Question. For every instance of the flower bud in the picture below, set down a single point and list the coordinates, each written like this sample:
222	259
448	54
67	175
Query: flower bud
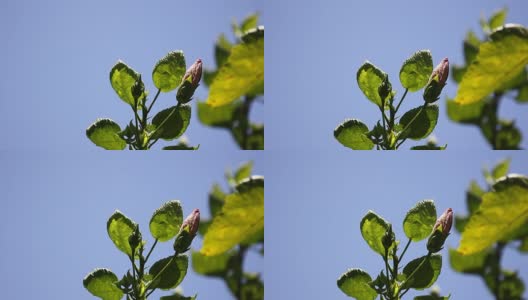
385	88
436	82
388	238
138	89
135	238
440	231
188	231
190	81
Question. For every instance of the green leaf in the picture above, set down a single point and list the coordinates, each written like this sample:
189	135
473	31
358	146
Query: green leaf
122	78
221	116
355	283
467	114
509	136
105	134
243	172
460	223
210	265
415	71
424	123
242	74
501	213
522	95
501	169
119	228
249	22
168	71
432	297
426	275
457	72
429	147
166	221
253	289
471	47
173	274
523	247
177	120
471	264
352	134
178	297
419	220
373	227
497	19
101	284
241	217
255	140
369	78
216	199
181	146
498	61
222	50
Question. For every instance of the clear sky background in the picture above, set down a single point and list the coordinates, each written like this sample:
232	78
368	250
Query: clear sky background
54	208
314	48
57	56
313	211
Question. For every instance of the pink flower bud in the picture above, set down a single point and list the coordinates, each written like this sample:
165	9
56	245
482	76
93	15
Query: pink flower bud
445	222
442	70
195	72
192	221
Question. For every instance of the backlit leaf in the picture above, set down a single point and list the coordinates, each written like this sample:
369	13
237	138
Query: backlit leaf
173	274
352	134
166	221
119	228
419	220
241	217
498	61
501	213
242	74
101	283
426	275
369	78
122	78
373	227
424	123
172	122
416	70
210	265
355	283
104	133
168	72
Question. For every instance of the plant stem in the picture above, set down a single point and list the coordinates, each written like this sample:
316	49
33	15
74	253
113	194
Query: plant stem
153	101
150	251
497	269
385	129
239	271
245	121
405	249
494	106
401	100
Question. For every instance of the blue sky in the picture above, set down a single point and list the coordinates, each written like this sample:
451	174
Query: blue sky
57	57
313	211
314	48
55	207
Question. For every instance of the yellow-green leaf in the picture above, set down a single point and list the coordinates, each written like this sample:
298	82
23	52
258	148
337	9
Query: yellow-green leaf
105	134
241	217
102	284
501	213
242	74
168	72
122	78
498	61
119	228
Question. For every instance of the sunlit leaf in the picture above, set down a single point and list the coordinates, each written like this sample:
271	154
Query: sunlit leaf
101	283
169	71
210	265
119	228
502	212
242	74
369	78
416	70
472	264
468	113
352	134
419	220
498	61
104	133
241	217
166	221
373	227
355	283
220	116
122	78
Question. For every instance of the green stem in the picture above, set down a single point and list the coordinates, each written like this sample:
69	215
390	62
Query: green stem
150	251
497	270
494	120
401	100
162	123
383	117
153	101
389	280
405	250
245	121
160	272
240	270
